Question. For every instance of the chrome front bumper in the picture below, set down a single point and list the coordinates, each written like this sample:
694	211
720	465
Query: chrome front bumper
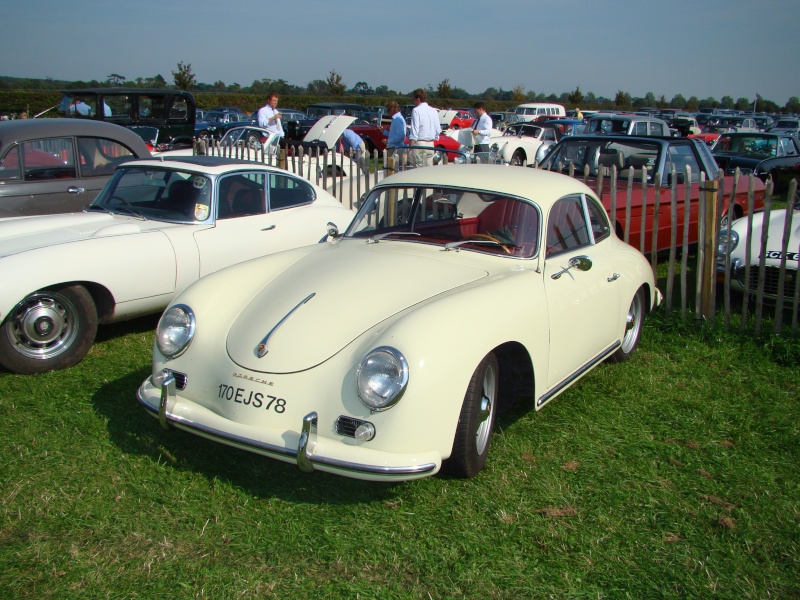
305	455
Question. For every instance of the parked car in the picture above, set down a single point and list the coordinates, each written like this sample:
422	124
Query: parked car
155	228
746	281
502	119
217	121
285	356
685	125
169	113
759	153
626	125
738	123
50	166
455	119
567	126
523	143
654	159
787	125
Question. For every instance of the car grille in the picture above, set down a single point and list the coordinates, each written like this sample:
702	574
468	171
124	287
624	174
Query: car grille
347	426
180	380
771	275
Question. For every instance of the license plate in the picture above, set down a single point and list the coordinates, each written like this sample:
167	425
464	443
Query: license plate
253	399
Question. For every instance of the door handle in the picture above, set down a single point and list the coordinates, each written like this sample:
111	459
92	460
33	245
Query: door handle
613	277
75	190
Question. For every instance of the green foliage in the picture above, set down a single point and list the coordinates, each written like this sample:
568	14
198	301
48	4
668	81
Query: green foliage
334	83
184	78
443	90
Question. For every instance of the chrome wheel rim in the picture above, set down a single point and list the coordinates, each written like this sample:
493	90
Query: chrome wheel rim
43	325
633	324
486	410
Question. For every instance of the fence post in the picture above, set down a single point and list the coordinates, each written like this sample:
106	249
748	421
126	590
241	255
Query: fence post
708	272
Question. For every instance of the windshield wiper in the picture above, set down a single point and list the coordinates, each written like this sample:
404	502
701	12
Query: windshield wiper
376	238
455	245
126	210
96	207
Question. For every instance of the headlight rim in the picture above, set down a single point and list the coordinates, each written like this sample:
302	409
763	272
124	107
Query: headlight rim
403	366
191	329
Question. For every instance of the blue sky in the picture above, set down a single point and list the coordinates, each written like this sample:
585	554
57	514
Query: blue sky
701	48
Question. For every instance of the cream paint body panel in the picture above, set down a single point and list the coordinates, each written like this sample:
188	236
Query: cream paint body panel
579	304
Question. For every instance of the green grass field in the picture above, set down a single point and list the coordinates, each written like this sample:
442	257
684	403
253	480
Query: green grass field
674	475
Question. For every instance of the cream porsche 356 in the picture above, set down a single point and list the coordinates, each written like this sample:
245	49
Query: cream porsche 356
385	352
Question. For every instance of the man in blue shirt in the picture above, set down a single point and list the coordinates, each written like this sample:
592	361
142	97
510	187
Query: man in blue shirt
350	140
396	135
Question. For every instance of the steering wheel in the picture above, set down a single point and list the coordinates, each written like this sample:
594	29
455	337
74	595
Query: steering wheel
491	238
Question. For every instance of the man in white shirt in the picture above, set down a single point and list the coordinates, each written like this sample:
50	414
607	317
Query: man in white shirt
268	116
481	132
425	128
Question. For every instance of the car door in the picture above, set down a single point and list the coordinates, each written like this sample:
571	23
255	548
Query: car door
258	213
40	177
582	305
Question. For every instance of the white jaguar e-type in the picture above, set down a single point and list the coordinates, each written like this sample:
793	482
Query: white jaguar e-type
156	227
385	352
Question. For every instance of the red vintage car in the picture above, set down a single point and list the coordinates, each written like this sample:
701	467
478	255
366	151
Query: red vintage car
656	158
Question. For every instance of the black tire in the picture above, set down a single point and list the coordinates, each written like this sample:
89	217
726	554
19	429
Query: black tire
518	159
476	421
203	135
253	141
634	321
50	329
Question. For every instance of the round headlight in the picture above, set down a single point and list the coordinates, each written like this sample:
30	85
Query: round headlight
381	378
722	249
175	330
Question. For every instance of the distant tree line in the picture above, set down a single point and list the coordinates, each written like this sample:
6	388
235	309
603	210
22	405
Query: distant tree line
443	93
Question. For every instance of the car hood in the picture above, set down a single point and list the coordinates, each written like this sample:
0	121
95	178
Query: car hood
28	233
329	129
777	218
332	294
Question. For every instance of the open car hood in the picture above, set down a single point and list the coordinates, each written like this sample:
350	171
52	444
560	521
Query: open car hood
329	129
330	296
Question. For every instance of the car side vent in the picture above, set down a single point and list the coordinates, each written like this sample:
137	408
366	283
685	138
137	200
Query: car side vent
180	380
347	426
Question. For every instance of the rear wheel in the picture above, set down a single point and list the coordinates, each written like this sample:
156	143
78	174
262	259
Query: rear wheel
518	159
50	329
634	321
476	421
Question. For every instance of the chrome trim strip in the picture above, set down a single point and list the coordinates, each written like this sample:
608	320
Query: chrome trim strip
247	444
597	359
261	349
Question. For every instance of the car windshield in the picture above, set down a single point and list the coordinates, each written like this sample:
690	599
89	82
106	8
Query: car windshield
523	129
160	194
597	154
747	144
455	219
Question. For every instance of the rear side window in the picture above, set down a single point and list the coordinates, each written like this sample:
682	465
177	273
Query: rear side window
10	166
288	192
99	156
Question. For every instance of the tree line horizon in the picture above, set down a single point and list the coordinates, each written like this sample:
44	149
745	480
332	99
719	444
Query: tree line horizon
334	86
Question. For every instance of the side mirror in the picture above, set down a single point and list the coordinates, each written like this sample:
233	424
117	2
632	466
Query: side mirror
333	230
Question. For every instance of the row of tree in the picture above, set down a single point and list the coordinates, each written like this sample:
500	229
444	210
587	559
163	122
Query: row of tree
334	85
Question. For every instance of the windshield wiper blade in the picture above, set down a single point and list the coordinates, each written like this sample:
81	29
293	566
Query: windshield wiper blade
96	207
127	210
455	245
376	238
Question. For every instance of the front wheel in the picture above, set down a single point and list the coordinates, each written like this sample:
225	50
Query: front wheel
476	421
633	328
518	159
50	329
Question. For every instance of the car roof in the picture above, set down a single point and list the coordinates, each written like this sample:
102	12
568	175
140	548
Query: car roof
21	130
543	187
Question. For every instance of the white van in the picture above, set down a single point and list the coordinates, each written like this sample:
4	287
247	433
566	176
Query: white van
532	110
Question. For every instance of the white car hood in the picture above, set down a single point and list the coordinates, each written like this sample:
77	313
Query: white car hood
777	218
329	129
28	233
347	288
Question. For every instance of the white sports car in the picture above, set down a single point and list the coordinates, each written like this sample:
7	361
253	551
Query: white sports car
156	227
387	350
742	248
523	144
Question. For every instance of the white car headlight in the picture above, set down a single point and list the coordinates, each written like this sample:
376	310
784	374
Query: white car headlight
381	378
723	241
175	330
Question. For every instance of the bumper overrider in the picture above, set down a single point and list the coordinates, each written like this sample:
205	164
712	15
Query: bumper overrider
304	447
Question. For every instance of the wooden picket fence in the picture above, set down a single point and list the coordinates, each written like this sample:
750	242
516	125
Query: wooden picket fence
687	273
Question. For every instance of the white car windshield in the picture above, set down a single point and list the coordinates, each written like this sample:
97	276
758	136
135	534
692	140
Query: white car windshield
160	194
453	218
